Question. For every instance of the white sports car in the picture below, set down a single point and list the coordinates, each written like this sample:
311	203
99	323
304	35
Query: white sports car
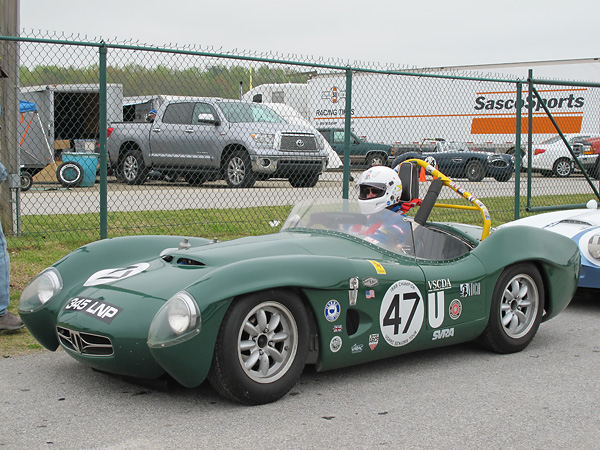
552	158
582	226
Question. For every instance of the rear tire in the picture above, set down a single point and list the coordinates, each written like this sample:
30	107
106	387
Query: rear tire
562	168
132	169
516	309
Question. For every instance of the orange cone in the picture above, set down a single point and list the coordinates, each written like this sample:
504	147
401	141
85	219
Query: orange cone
422	176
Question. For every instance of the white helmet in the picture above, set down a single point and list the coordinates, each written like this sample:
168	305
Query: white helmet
378	188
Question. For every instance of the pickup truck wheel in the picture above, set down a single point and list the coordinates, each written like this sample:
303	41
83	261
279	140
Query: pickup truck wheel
69	174
133	170
306	180
238	171
376	159
475	171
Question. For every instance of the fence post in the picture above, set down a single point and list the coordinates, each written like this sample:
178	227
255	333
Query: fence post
347	119
529	133
518	152
103	160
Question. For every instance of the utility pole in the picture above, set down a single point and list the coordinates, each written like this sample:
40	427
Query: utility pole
9	112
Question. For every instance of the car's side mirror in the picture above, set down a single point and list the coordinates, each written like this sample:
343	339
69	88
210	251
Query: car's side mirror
208	118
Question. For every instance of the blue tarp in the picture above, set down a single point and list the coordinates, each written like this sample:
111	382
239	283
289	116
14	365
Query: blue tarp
27	106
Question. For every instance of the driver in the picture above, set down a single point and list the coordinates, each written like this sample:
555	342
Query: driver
379	189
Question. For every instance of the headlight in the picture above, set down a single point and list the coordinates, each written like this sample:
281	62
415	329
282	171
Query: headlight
264	139
177	321
41	289
594	246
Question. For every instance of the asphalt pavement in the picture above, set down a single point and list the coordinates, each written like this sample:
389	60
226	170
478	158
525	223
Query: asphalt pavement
458	397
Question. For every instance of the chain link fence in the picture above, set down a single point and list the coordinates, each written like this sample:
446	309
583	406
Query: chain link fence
109	139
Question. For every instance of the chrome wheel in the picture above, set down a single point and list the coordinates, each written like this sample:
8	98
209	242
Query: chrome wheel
563	167
236	171
268	341
519	306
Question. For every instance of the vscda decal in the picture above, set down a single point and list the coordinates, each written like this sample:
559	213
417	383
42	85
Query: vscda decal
111	275
401	313
332	310
94	307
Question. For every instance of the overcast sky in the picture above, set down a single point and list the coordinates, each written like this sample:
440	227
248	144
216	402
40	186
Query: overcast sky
417	33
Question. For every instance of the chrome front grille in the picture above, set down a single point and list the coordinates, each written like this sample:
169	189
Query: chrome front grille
84	343
303	142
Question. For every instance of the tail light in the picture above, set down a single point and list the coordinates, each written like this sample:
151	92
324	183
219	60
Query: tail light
109	131
539	151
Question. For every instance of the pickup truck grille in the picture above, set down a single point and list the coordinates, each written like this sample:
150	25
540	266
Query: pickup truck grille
303	142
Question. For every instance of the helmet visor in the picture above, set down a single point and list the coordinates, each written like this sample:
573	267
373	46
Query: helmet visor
366	191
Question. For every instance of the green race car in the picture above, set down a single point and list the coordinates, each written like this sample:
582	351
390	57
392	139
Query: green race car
248	314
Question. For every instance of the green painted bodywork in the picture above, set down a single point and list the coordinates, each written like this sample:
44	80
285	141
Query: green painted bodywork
318	266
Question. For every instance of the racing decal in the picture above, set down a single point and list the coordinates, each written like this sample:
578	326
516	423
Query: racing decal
335	344
337	328
438	285
370	294
94	307
441	334
378	267
455	309
357	348
373	340
332	310
370	282
401	313
435	309
107	276
470	289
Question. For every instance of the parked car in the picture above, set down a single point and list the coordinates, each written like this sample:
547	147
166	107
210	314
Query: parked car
580	225
205	139
458	161
552	157
248	314
362	153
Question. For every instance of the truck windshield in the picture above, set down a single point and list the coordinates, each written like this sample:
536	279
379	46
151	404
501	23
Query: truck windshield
249	112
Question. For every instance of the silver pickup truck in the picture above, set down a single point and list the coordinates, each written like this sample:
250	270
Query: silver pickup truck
206	139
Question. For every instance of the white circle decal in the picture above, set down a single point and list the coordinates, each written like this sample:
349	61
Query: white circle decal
401	313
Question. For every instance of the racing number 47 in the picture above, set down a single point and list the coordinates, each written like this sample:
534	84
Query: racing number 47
393	315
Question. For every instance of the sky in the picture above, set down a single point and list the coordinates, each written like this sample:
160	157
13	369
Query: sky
417	33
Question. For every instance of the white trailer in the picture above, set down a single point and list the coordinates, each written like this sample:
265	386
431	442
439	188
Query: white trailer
68	117
407	109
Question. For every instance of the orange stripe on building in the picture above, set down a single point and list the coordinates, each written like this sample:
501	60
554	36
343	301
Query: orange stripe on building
526	91
541	125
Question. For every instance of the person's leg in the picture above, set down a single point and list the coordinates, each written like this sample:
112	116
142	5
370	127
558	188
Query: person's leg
4	274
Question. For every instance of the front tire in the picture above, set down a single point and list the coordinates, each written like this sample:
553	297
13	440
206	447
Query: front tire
238	170
516	309
376	159
475	171
261	347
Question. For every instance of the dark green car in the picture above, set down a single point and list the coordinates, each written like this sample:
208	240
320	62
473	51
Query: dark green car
248	314
362	153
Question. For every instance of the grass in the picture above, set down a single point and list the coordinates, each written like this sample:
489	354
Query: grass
57	235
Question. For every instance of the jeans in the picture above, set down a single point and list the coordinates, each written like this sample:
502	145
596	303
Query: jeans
4	274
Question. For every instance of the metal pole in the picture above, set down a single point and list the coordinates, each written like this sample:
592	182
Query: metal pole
347	119
529	133
103	127
518	152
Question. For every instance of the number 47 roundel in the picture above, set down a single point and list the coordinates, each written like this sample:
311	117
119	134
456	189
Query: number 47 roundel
401	314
